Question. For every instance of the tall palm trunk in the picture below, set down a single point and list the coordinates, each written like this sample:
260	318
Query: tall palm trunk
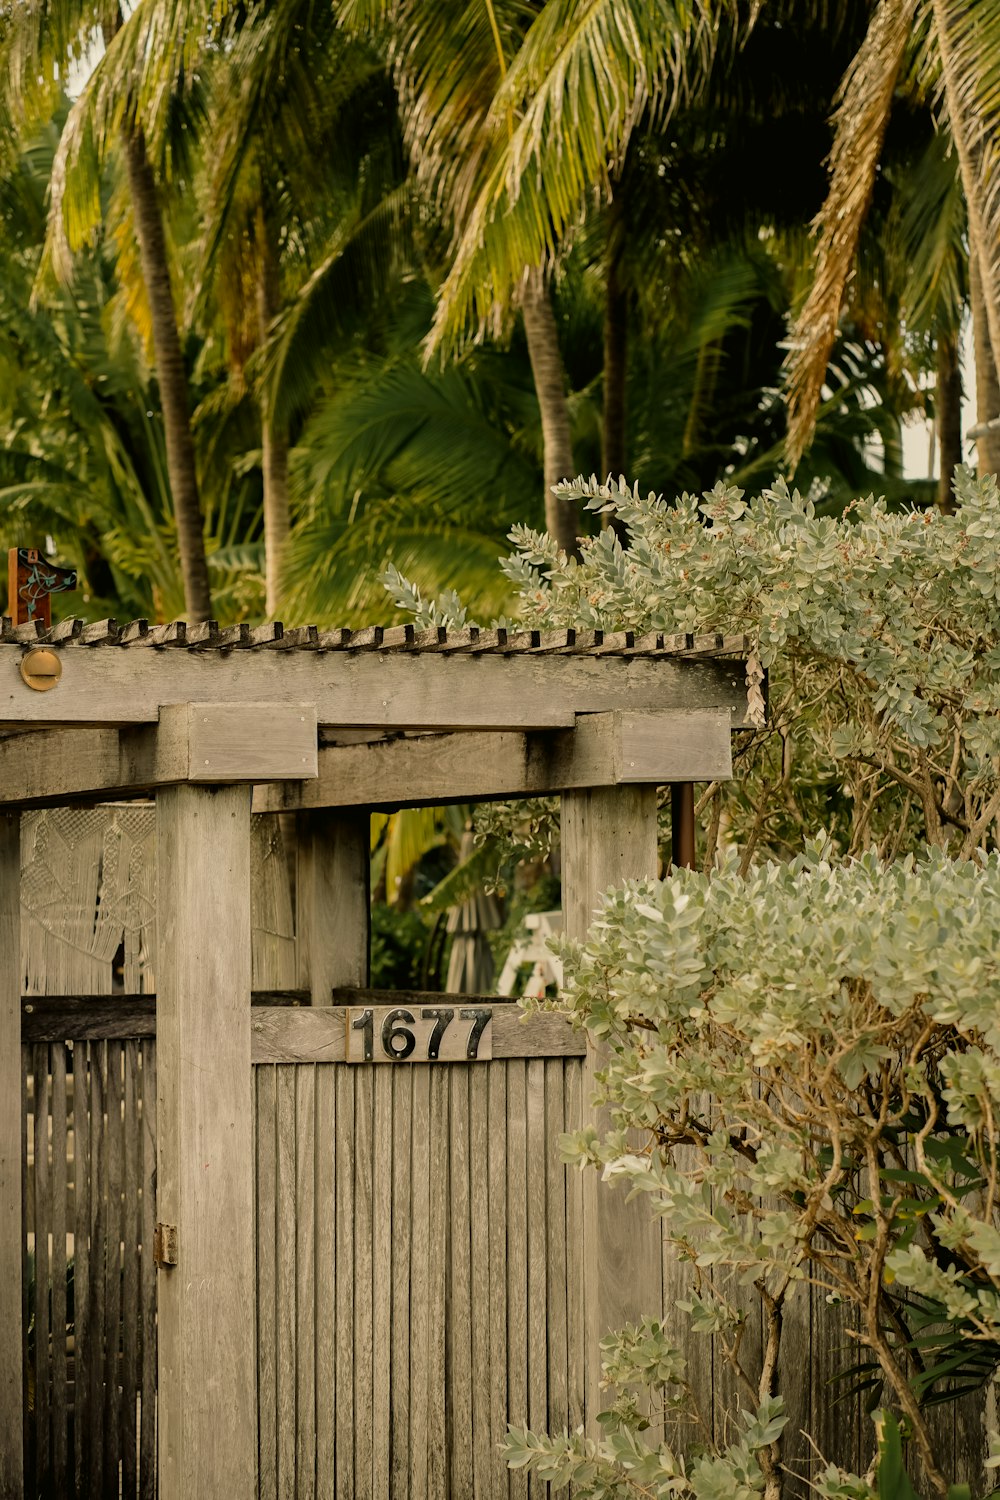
615	366
171	376
948	411
274	434
550	387
987	384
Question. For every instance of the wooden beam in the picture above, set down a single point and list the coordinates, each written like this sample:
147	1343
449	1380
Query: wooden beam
203	743
105	685
604	749
332	901
206	1407
11	1228
316	1035
608	837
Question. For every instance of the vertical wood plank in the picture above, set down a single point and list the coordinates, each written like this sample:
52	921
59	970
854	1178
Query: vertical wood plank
361	1271
43	1221
60	1146
497	1168
382	1231
332	900
285	1325
609	836
345	1282
147	1277
797	1454
420	1281
517	1260
555	1260
26	1436
537	1254
205	1144
326	1300
459	1300
98	1227
305	1267
482	1457
402	1183
113	1264
131	1239
81	1267
265	1088
575	1306
12	1229
437	1282
836	1425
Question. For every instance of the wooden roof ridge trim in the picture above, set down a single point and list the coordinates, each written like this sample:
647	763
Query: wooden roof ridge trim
209	635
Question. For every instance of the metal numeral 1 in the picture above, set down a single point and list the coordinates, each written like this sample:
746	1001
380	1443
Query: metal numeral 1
366	1025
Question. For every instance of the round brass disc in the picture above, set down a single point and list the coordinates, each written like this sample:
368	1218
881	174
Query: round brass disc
41	669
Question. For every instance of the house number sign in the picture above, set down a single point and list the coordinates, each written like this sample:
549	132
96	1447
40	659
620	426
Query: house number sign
423	1033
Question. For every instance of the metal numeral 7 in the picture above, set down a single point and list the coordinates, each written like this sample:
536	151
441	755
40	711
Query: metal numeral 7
481	1018
442	1019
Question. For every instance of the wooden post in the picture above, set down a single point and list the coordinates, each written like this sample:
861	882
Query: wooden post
207	1420
682	846
11	1229
333	909
609	836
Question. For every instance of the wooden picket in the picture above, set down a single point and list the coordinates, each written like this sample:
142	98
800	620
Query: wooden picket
88	1273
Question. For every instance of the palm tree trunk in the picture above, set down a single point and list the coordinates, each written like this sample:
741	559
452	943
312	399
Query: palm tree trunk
274	436
615	368
948	412
171	377
550	387
987	384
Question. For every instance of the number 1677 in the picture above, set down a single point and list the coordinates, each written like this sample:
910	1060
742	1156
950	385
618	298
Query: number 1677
438	1033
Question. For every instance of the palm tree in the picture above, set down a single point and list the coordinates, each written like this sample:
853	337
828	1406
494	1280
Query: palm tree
924	45
40	40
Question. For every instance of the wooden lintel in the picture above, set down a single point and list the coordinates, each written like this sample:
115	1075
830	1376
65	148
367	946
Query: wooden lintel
115	685
202	743
606	749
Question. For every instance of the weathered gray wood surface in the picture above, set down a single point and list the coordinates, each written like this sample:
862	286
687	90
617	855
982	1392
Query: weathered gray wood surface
609	836
332	900
11	1359
408	1187
378	689
91	1371
604	749
205	1145
317	1035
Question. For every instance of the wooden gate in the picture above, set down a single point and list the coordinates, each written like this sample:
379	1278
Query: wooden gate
419	1276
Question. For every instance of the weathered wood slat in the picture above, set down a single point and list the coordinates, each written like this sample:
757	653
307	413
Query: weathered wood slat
327	1390
265	1086
437	1287
537	1248
459	1302
131	1240
305	1290
43	1224
496	1164
21	1430
98	1250
113	1264
345	1282
420	1285
81	1266
362	1274
147	1276
382	1228
575	1307
317	1034
557	1287
402	1084
479	1221
517	1259
285	1266
13	1166
60	1146
57	1018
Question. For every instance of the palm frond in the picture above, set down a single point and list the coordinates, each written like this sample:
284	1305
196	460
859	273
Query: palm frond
861	120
